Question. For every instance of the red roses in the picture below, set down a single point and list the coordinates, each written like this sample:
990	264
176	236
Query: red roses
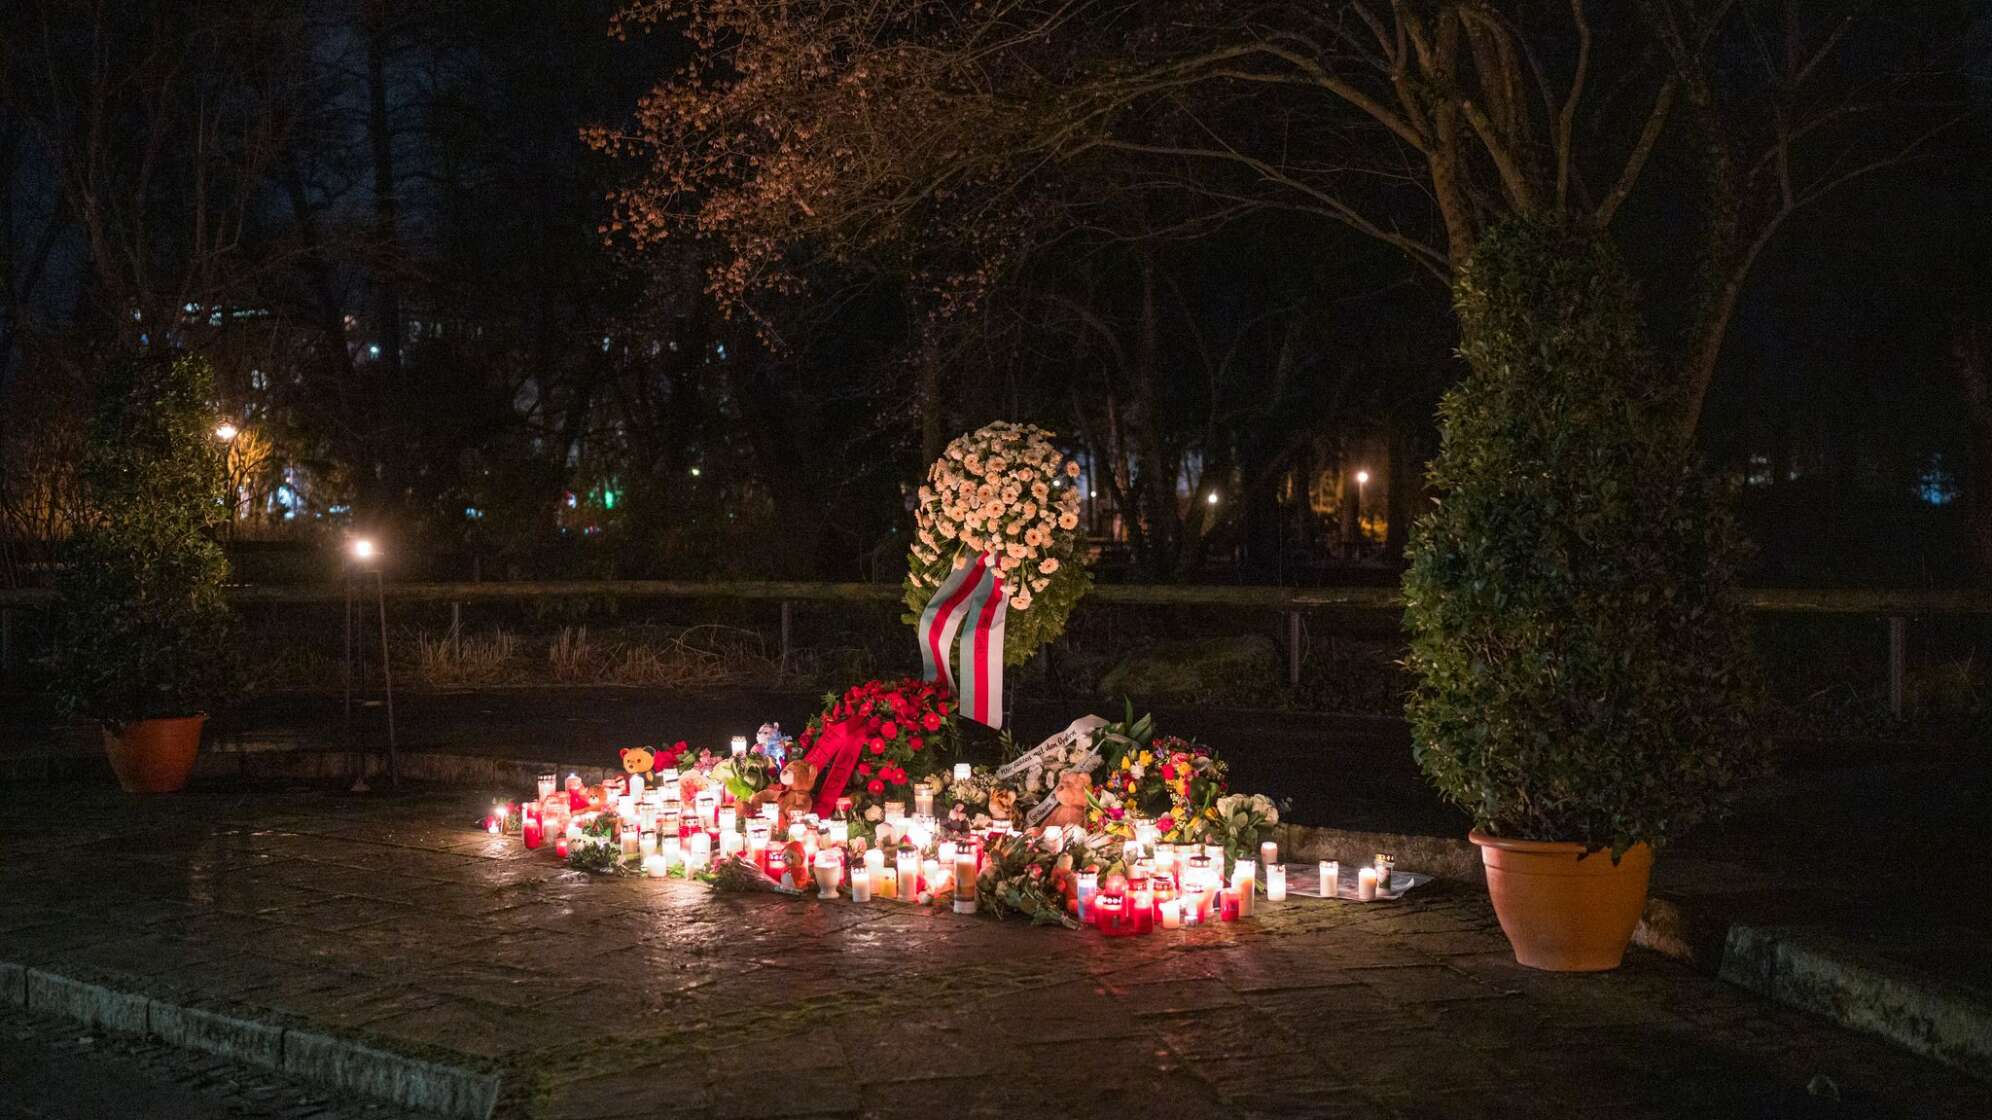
906	728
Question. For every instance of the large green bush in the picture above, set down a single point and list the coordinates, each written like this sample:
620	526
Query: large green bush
143	629
1581	655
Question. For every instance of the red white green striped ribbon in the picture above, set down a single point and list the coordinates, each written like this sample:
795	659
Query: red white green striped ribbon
971	601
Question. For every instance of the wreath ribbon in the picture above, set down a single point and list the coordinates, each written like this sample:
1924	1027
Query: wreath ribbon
835	755
971	603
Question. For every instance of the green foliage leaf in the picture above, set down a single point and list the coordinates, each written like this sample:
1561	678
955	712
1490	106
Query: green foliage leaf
1581	653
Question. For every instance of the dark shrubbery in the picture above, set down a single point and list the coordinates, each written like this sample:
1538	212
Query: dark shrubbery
1582	658
143	629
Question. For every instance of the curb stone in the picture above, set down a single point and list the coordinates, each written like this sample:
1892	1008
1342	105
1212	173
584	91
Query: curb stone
1813	971
459	1092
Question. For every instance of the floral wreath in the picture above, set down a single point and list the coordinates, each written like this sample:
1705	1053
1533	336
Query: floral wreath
1003	489
1171	779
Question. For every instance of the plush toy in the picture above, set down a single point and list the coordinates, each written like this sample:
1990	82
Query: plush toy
1075	787
791	794
957	821
1003	804
796	802
638	760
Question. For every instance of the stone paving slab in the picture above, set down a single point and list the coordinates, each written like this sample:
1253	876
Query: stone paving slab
386	945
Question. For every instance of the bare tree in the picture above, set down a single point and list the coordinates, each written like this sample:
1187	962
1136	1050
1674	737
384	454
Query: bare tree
805	128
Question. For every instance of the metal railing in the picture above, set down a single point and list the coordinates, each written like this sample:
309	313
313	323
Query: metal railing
1895	606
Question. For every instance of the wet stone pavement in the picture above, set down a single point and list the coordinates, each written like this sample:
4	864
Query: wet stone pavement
394	922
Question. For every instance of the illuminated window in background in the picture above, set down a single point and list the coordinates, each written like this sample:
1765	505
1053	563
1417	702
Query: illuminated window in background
1759	472
1936	485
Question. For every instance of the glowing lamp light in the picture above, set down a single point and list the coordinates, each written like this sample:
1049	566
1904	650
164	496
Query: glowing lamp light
225	431
1362	478
363	549
1213	498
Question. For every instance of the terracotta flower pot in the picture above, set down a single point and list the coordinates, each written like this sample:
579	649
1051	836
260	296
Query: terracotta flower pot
1563	913
154	755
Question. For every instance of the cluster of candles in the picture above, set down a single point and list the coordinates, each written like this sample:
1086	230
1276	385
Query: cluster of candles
1176	886
1170	886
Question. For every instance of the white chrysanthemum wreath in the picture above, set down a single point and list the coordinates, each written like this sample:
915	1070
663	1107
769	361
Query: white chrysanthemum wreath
1007	491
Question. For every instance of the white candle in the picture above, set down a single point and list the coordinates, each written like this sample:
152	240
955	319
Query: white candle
1172	913
861	884
1269	853
1366	884
731	842
1276	882
1089	885
964	881
923	801
875	869
930	870
655	866
1245	880
670	850
707	803
647	843
636	787
962	772
739	745
699	853
729	819
546	784
945	852
770	811
840	832
1331	879
829	868
625	806
909	874
1054	837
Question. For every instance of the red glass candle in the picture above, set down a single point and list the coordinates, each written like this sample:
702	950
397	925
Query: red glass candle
1111	914
1142	907
1228	903
531	831
560	846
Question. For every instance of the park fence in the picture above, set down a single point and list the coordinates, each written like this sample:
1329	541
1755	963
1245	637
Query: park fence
1284	610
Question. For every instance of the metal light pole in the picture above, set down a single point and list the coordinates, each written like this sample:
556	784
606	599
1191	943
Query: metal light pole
364	562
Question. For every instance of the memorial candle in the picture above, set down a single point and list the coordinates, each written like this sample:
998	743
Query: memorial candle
698	853
706	802
1331	879
1229	906
1143	909
546	785
1089	885
1245	881
829	867
1269	853
1366	884
731	843
561	847
1172	913
631	841
964	879
840	832
1386	865
738	744
875	870
930	873
636	787
646	842
671	848
770	811
861	884
532	831
729	820
909	874
923	800
961	772
1276	882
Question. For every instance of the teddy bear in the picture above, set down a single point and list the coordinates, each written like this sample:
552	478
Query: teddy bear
638	760
791	797
1075	788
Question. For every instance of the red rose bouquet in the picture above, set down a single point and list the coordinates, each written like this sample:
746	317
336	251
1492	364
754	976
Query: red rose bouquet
879	739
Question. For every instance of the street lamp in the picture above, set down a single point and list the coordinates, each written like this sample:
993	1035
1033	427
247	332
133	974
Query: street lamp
225	432
365	556
1213	498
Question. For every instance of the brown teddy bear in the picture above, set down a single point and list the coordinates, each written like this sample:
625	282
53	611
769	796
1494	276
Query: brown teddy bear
791	797
1075	787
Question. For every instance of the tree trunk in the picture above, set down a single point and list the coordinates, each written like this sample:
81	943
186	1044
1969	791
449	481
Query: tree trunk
387	243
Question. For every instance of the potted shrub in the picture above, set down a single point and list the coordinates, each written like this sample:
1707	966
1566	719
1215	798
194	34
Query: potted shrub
142	639
1584	684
